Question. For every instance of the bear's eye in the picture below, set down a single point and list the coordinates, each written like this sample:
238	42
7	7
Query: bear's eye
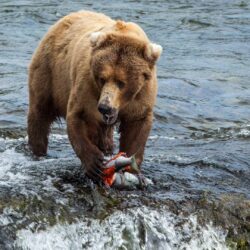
102	80
120	84
146	76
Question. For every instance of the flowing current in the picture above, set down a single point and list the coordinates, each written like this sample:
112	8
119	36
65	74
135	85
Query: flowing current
198	153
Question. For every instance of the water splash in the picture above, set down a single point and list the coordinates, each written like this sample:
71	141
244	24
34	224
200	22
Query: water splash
139	228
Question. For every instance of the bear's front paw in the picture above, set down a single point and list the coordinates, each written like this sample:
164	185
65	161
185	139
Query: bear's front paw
94	164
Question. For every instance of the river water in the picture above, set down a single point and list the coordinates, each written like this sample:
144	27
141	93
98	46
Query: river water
198	153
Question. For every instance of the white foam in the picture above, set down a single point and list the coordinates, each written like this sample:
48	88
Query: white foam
140	228
58	137
244	132
7	215
156	137
9	159
16	169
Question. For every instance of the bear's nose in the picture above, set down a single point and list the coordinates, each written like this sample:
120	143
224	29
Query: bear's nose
105	109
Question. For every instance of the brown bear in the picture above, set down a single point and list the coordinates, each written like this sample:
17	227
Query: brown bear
95	72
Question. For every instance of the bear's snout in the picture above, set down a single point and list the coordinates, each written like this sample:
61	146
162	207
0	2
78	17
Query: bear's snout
109	113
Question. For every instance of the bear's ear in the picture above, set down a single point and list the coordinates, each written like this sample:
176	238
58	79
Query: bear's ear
96	38
153	52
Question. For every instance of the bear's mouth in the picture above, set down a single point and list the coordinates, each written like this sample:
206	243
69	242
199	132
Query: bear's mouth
110	119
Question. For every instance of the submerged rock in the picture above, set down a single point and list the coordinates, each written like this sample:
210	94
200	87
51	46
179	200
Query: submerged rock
232	213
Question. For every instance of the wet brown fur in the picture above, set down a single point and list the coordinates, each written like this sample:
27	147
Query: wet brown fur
66	80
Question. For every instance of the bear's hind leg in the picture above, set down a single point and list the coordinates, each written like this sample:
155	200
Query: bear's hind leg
41	110
38	131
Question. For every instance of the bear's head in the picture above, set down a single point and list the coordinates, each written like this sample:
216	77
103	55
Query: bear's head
122	65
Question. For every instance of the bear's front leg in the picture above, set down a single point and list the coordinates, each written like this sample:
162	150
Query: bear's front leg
134	135
82	140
